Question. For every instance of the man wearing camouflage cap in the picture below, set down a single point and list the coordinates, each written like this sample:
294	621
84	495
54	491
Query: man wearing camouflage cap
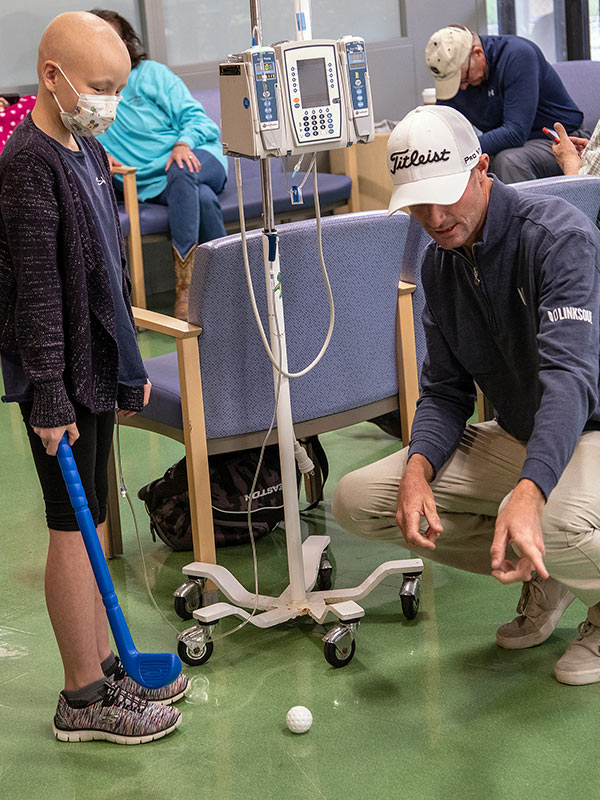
505	87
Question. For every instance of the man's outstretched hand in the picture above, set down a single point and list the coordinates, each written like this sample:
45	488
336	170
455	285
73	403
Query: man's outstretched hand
415	500
519	523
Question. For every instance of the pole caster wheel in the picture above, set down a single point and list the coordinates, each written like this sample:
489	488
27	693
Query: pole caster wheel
325	574
410	606
410	594
188	598
339	643
336	657
194	653
194	645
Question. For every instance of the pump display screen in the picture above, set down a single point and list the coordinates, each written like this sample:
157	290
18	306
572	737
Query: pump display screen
312	79
356	57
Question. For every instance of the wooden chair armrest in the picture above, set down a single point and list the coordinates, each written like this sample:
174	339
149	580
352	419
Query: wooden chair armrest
405	288
406	355
123	170
161	323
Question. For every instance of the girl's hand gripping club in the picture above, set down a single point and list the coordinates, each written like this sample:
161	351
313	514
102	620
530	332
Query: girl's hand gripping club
152	670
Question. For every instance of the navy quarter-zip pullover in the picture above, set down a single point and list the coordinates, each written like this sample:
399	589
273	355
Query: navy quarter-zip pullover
521	319
521	95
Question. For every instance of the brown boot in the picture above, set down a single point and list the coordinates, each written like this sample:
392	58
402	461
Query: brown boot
183	276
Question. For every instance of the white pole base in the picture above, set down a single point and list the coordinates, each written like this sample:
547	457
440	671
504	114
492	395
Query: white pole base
272	611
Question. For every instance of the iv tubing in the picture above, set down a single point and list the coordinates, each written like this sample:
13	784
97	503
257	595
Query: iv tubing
261	330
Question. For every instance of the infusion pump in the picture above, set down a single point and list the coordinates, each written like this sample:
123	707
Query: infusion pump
296	97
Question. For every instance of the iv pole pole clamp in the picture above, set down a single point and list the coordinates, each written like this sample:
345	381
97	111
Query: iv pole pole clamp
305	560
303	20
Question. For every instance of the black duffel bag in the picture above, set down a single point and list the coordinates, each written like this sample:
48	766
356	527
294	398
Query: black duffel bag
231	476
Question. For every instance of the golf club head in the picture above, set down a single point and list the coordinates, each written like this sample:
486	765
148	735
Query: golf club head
152	670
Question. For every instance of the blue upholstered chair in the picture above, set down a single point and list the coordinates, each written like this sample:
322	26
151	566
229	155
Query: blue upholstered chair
582	191
581	80
216	393
334	193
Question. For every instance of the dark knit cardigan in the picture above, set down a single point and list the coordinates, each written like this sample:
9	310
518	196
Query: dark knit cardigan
56	305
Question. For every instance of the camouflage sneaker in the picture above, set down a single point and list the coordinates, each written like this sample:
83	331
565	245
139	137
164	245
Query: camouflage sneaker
119	717
165	695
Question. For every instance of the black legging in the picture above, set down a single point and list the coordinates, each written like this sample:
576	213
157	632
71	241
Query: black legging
91	453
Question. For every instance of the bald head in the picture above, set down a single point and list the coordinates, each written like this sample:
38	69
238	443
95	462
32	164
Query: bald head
88	51
77	37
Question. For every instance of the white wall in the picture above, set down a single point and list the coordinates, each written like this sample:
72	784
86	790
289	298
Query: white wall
193	35
21	26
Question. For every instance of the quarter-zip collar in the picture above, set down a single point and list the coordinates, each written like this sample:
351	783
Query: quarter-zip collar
501	206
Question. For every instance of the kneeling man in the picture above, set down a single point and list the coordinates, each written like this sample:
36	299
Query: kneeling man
512	288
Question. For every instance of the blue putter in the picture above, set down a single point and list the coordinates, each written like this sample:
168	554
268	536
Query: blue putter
152	670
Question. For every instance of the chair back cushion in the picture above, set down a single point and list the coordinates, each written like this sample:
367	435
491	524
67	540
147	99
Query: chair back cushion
581	80
582	191
364	256
211	102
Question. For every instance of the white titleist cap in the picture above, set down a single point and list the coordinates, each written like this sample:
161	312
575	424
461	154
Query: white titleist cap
430	154
445	53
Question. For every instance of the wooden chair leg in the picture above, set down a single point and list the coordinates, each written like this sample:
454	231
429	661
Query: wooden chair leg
406	356
113	537
194	433
312	488
485	409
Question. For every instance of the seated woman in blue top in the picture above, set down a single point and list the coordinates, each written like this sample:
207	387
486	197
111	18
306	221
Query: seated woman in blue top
176	147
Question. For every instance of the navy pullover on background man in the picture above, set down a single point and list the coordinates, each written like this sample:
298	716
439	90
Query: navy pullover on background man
521	95
508	91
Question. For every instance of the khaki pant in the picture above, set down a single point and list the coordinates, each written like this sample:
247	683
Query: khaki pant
469	491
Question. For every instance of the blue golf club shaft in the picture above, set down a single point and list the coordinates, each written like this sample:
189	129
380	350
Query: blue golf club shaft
151	669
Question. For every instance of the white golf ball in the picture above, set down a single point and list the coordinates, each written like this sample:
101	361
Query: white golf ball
298	719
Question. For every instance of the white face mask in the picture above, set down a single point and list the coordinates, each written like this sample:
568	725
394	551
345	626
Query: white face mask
93	114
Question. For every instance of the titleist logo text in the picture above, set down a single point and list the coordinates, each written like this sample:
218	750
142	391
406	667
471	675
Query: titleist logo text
402	159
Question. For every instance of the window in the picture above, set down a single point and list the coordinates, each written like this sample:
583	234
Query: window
491	11
594	9
535	21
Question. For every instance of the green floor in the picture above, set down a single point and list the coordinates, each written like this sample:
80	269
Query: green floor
427	709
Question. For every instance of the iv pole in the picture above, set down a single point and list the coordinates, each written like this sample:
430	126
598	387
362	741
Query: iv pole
195	644
285	431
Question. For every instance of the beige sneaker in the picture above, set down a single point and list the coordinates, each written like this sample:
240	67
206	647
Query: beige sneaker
581	661
541	606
